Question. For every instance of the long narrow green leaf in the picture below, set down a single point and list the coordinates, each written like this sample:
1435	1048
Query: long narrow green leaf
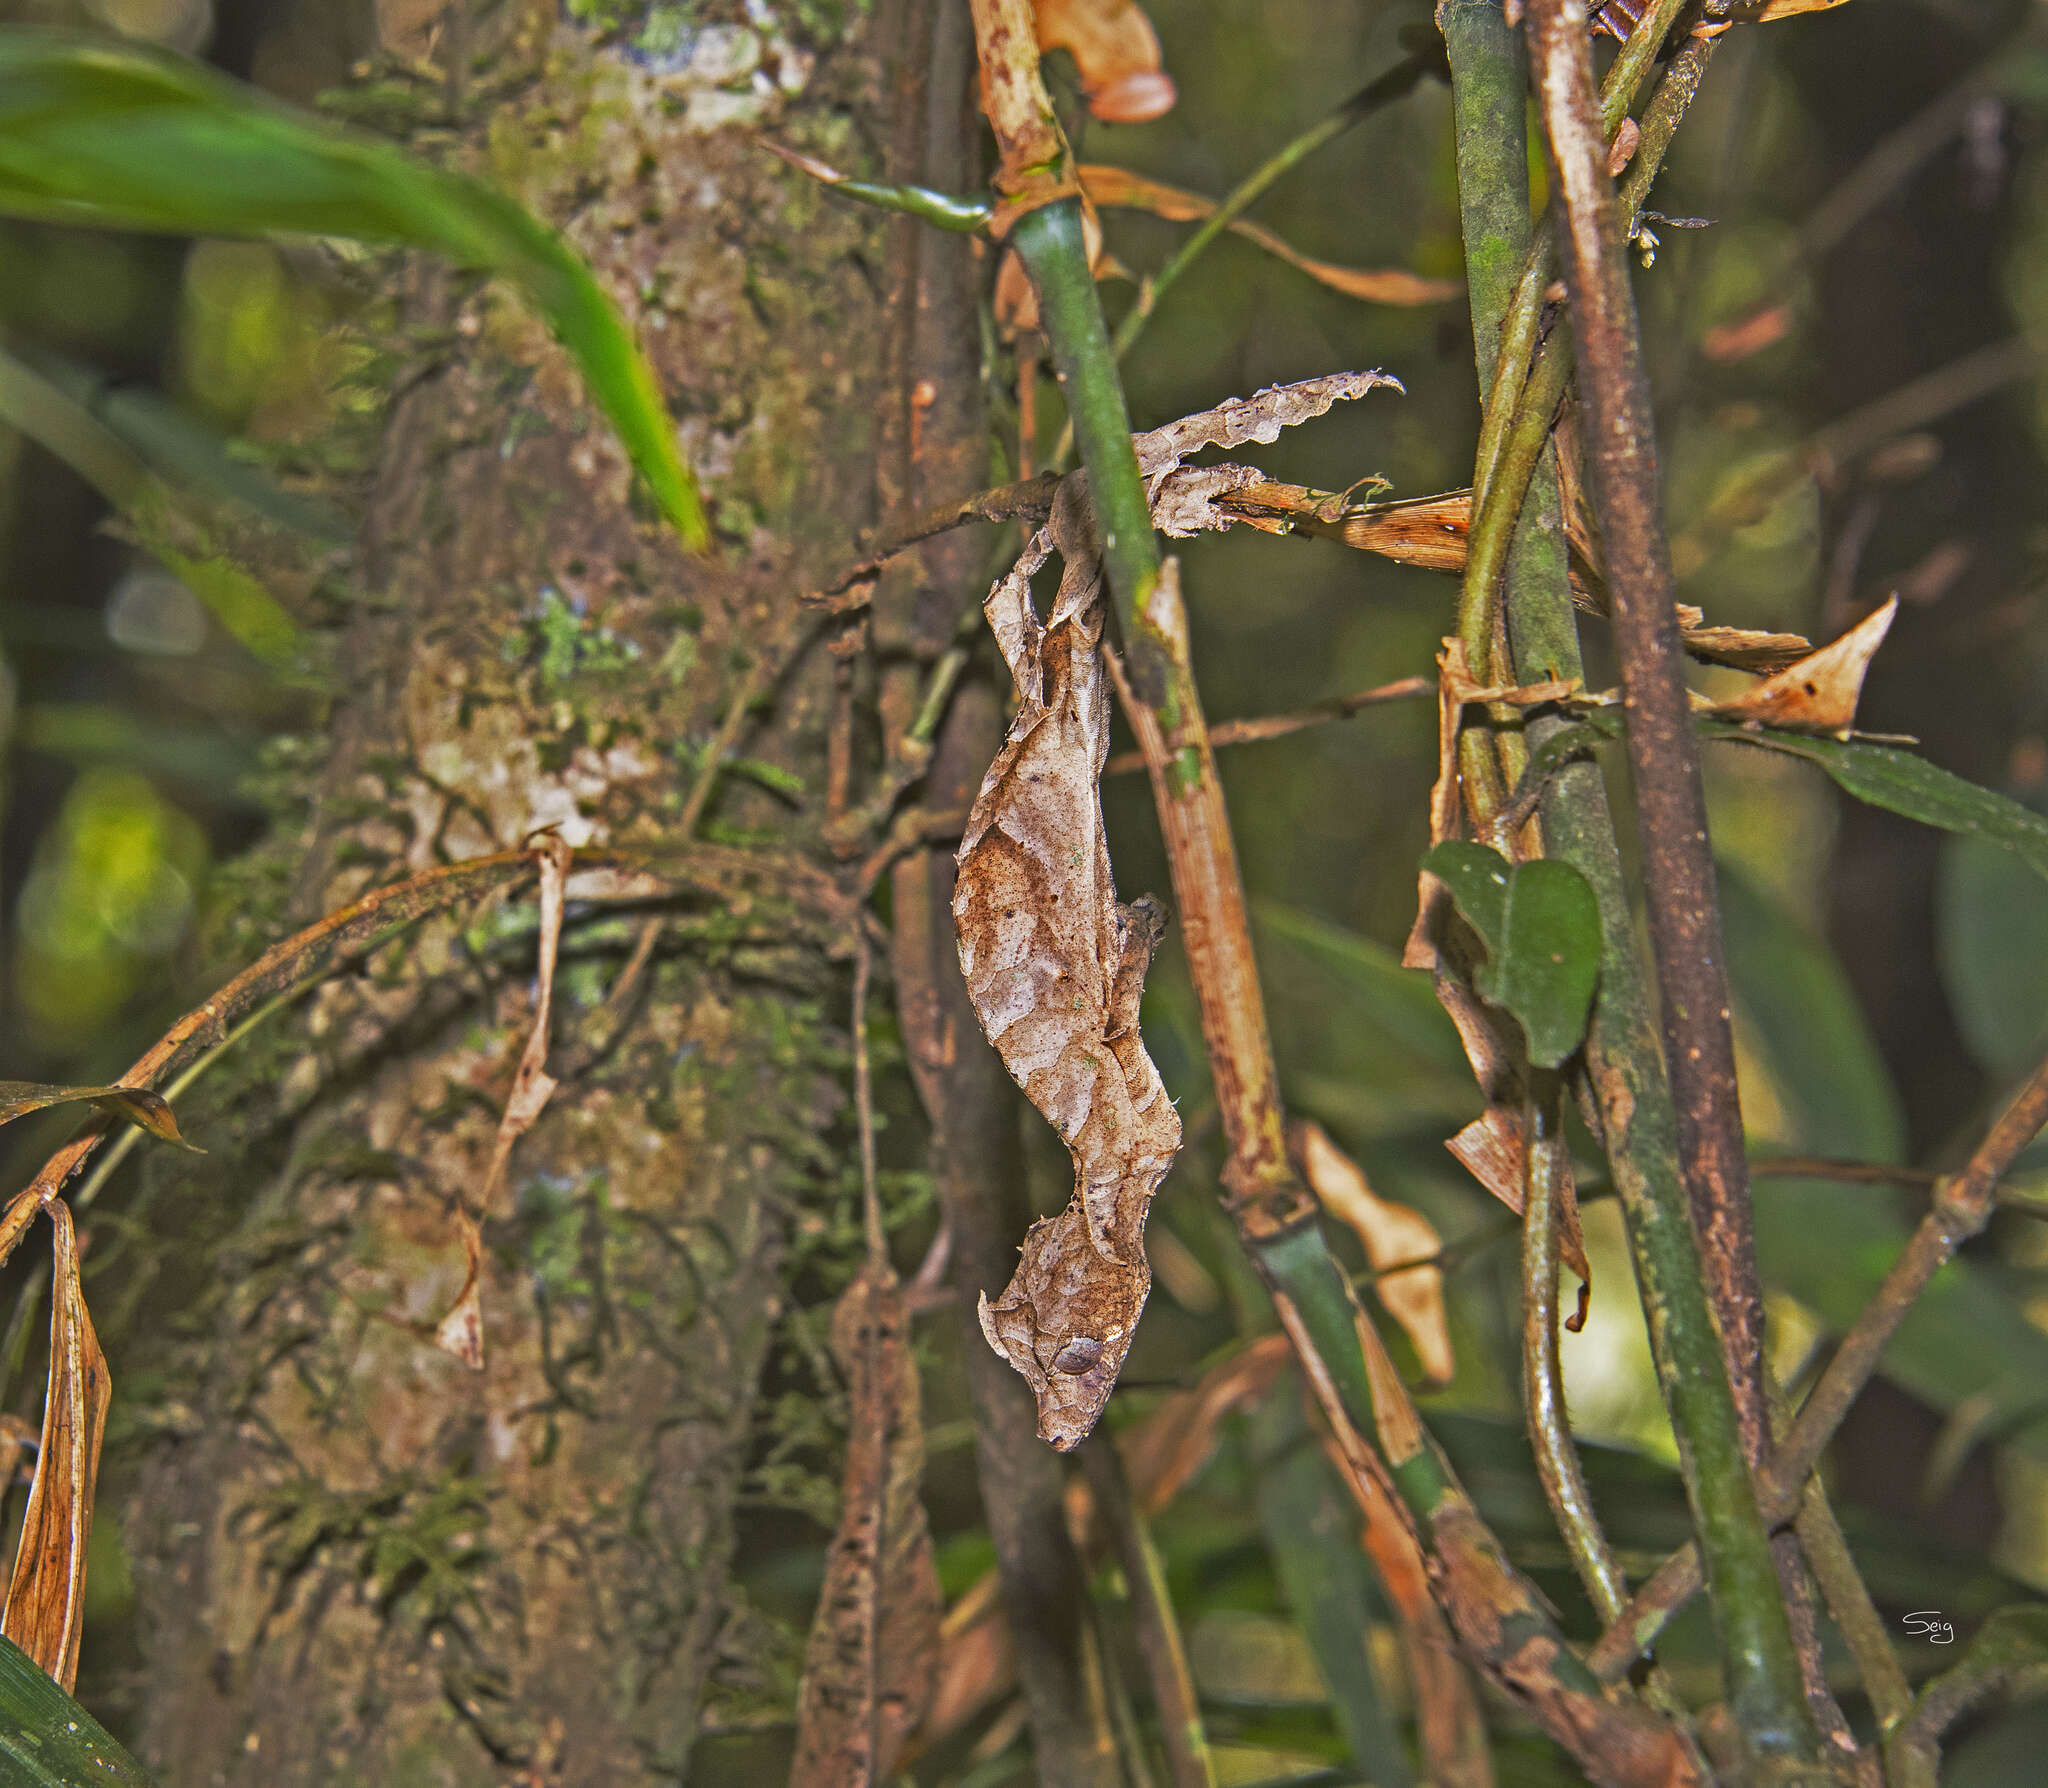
1310	1527
123	137
48	1741
54	415
1907	784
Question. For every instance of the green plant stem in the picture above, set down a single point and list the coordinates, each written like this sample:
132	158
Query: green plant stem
1855	1615
1707	1394
1396	83
1048	241
1962	1207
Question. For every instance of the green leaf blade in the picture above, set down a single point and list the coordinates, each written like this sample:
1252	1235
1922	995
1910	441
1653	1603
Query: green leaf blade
1905	783
1540	923
122	137
47	1740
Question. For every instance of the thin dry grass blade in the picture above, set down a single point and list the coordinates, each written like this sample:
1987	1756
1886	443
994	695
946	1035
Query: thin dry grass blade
1119	188
461	1331
46	1600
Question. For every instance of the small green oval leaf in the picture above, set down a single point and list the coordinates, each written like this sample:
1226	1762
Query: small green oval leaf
118	136
1540	923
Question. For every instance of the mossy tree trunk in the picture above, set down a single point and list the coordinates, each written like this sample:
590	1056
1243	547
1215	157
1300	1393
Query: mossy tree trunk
356	1560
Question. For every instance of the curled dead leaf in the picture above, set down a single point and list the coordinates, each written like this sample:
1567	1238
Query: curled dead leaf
873	1649
1819	693
1490	1149
1055	966
1393	1234
1260	417
46	1599
1116	52
136	1104
1120	189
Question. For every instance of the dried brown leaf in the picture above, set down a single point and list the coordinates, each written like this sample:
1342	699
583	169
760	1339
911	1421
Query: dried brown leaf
1792	9
1120	189
1393	1234
46	1599
461	1331
1490	1149
1819	693
137	1104
1740	648
874	1642
1117	53
1260	417
1055	967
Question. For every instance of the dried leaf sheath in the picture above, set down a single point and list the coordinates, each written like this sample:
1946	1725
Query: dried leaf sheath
1055	967
46	1600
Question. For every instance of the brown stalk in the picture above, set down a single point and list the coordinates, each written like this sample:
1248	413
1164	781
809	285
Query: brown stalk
1678	865
1033	167
1449	1726
1264	1193
1962	1207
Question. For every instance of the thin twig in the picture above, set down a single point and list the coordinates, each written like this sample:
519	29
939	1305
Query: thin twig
1962	1207
1397	83
1278	726
1546	1163
324	945
864	1110
721	746
1029	499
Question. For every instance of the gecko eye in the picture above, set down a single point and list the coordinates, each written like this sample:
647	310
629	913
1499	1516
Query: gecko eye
1077	1356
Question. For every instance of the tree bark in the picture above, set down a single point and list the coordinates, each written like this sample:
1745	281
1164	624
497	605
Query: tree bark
358	1561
